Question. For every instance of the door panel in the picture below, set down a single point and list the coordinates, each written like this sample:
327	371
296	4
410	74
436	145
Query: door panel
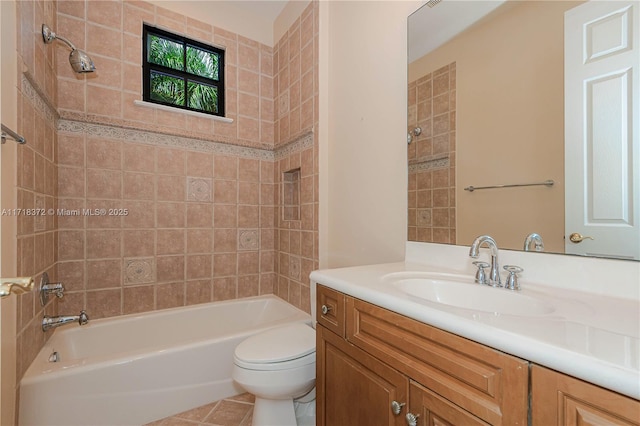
355	388
602	147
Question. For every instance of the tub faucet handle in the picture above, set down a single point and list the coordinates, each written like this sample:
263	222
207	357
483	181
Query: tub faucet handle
83	318
47	288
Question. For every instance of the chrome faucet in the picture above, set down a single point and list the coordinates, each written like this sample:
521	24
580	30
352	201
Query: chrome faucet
536	239
494	275
53	322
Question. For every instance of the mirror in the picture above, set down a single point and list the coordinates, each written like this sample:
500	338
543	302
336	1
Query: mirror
495	89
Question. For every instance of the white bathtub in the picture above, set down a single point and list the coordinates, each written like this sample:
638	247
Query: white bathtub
135	369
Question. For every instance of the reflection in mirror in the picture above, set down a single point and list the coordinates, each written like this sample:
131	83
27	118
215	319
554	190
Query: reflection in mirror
496	95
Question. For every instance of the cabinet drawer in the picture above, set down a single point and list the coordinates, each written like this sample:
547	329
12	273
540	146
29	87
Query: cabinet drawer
330	309
491	385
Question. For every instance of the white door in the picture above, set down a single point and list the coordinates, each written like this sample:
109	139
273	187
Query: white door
602	129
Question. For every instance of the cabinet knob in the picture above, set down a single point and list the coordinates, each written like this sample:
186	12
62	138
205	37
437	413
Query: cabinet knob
325	309
412	419
396	407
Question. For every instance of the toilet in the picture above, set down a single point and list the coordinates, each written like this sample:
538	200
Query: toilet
278	366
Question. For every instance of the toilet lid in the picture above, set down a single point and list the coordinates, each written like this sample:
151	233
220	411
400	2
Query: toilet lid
278	344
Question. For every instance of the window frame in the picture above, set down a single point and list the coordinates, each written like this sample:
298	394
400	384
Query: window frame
148	67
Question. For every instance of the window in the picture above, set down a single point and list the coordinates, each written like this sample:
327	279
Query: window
182	73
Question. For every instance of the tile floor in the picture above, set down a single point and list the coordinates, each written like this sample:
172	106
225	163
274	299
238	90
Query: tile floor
234	411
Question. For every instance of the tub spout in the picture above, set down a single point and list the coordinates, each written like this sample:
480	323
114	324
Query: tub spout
53	322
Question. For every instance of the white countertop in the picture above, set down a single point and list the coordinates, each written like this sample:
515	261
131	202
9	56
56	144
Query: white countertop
590	336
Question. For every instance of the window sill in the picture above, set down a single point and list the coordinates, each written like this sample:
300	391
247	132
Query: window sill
185	111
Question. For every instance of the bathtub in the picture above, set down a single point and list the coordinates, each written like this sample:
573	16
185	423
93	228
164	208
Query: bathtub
135	369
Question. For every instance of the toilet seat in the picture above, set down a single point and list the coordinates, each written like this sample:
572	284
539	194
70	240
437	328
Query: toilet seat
281	348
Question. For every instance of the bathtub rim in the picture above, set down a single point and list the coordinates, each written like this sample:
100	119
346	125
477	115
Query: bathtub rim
41	369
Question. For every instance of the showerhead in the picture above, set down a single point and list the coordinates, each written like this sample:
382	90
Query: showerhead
79	60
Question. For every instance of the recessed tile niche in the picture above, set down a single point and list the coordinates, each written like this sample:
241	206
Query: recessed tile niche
291	195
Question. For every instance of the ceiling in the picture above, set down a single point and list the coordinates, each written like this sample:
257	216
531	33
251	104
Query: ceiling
268	9
430	27
251	18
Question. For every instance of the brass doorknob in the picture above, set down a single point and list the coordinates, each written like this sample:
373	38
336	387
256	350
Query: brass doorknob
577	238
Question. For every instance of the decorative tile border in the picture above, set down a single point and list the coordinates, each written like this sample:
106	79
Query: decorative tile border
34	95
429	164
132	135
300	142
158	139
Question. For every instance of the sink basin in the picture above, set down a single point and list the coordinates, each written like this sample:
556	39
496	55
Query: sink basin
468	295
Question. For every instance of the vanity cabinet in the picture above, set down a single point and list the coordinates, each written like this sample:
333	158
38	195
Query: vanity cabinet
357	388
375	366
558	399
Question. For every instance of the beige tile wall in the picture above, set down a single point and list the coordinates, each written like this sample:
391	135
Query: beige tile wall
200	224
296	78
203	220
187	226
111	33
36	177
431	156
296	82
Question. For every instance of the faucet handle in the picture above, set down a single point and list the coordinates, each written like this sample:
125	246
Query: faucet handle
481	275
47	288
512	279
83	318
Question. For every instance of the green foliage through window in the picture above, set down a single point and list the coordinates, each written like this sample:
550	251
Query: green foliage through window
182	72
167	89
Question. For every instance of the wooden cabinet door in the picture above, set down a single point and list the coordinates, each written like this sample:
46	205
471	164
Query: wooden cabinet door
558	399
354	388
433	410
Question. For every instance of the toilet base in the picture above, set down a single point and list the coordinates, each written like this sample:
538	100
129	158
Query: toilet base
305	413
273	412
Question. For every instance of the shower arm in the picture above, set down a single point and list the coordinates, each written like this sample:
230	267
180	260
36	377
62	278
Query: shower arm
49	36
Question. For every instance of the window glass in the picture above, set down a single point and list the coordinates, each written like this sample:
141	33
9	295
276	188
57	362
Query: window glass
166	52
202	96
181	72
202	63
167	89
